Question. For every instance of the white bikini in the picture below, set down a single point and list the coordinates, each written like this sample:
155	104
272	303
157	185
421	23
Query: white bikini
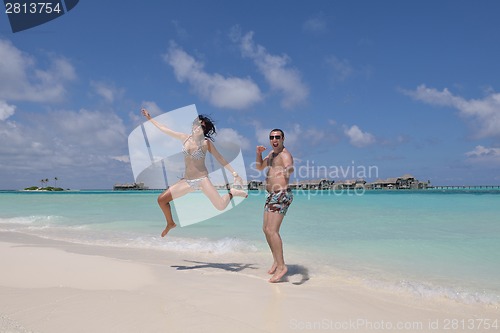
197	154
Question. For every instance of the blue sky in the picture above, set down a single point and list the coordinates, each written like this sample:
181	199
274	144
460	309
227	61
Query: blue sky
408	87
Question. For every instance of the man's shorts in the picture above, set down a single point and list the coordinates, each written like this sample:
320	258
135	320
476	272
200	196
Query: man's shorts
278	202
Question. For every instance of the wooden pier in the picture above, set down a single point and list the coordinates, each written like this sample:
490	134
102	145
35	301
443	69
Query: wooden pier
465	187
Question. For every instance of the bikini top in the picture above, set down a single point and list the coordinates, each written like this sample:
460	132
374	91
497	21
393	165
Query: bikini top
197	154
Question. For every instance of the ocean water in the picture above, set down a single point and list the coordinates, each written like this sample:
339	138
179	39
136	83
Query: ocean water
425	243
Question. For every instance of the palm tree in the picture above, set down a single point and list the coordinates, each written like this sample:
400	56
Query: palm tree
55	181
41	182
46	180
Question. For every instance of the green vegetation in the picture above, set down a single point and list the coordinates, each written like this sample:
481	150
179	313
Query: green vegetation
48	188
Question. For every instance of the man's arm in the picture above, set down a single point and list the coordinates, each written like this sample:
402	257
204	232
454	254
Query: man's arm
288	167
260	163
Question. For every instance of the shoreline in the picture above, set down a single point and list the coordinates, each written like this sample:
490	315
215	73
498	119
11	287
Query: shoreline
54	286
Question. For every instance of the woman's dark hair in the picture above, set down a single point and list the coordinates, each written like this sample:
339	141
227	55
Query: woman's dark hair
209	128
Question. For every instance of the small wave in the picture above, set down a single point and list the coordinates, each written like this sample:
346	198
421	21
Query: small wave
25	220
425	290
220	246
85	236
195	245
30	220
464	292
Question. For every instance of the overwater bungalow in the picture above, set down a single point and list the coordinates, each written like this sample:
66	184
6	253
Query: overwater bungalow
405	182
130	187
395	183
350	184
255	185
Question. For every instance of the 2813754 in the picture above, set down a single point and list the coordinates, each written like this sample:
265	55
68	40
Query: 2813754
33	8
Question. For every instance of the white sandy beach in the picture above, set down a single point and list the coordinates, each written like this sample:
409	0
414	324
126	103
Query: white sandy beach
50	286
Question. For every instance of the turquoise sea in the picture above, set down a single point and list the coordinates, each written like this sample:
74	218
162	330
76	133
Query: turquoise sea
427	243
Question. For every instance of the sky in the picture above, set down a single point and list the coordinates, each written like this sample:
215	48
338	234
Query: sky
362	89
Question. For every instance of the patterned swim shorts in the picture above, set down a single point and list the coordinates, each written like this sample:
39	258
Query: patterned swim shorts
278	202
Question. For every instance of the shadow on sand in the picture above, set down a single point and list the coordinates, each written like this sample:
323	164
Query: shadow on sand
230	267
293	270
300	270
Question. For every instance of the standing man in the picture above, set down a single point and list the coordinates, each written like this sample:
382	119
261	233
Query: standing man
278	197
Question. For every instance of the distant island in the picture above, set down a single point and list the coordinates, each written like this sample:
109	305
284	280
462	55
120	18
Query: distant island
47	189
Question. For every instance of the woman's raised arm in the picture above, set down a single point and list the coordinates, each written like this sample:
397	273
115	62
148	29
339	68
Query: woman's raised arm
223	162
163	128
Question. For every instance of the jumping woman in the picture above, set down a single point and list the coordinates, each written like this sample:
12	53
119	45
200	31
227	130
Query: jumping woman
195	147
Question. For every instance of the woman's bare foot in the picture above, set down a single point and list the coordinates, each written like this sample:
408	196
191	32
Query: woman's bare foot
280	273
273	268
167	229
238	193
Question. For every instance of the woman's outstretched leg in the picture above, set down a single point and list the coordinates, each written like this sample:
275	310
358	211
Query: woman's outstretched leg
164	203
175	191
219	202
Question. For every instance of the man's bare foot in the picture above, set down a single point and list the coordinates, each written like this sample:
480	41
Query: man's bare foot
278	275
238	193
167	229
273	268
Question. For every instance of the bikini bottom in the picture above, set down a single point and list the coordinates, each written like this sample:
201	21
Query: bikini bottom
195	183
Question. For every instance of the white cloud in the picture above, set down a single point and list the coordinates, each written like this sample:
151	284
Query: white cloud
485	113
6	110
100	131
341	67
180	31
357	137
433	96
75	144
484	155
274	69
232	136
315	25
480	151
220	91
22	80
122	158
107	91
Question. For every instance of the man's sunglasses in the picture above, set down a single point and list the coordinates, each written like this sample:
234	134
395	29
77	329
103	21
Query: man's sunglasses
272	137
